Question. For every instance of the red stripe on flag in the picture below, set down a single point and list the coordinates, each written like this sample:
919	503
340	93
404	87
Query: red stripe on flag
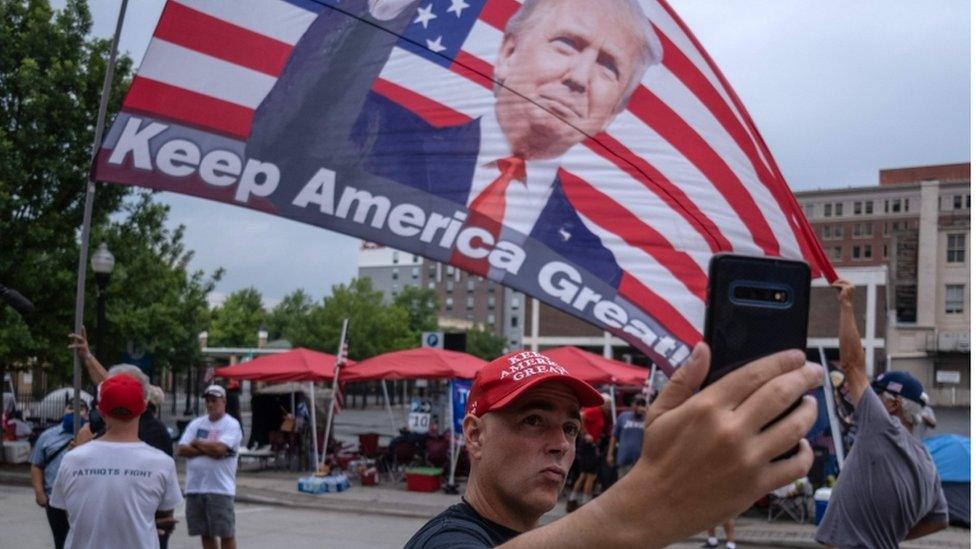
434	113
614	218
474	69
658	115
656	182
187	107
665	313
497	12
217	38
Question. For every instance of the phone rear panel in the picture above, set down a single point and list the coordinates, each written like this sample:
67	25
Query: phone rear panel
756	306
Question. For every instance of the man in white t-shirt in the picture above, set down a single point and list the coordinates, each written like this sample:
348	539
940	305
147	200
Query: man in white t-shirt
210	445
117	490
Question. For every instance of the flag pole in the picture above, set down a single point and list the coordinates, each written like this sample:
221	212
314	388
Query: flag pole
315	431
389	407
832	412
340	358
86	217
451	488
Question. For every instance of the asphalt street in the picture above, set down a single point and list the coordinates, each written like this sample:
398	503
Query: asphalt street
22	525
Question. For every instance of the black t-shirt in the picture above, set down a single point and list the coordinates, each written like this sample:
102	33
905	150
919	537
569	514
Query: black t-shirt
460	526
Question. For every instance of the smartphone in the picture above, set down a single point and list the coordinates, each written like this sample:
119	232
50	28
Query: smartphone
756	306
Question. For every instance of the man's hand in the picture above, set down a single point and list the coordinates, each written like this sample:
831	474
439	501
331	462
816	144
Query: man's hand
165	522
610	459
385	10
845	291
41	499
79	343
715	446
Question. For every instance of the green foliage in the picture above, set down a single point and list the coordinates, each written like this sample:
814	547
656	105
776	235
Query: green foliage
236	322
152	300
290	319
51	76
374	328
421	305
484	343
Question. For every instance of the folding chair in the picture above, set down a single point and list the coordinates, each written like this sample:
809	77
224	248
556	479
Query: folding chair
794	500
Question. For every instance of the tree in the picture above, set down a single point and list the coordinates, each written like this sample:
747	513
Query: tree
374	328
290	319
484	343
421	305
153	301
51	74
236	322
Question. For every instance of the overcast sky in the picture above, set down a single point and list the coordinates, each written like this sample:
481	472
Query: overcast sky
838	89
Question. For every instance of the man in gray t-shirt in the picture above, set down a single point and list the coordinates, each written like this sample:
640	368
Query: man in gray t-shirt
889	490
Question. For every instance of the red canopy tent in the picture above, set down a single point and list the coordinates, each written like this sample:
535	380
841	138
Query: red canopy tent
295	365
421	363
596	370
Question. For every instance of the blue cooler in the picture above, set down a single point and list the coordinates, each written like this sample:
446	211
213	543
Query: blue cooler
820	499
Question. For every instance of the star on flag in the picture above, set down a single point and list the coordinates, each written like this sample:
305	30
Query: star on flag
425	15
457	6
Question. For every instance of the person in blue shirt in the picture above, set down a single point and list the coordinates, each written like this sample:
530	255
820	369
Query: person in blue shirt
628	437
45	460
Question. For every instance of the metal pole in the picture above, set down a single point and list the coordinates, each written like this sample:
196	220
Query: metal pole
335	385
613	403
450	415
86	219
389	409
99	332
832	412
315	431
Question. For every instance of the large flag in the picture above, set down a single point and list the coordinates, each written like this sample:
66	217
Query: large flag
586	152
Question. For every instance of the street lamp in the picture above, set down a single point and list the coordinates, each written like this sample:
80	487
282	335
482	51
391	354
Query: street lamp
102	262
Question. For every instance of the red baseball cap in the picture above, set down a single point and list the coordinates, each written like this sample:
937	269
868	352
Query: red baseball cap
121	397
502	380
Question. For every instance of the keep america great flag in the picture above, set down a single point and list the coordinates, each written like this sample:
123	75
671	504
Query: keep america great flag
588	153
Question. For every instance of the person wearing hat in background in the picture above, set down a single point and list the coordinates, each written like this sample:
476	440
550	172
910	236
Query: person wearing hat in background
117	490
210	444
151	431
49	450
889	490
711	455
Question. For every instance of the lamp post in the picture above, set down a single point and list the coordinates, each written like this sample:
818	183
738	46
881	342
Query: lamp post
103	262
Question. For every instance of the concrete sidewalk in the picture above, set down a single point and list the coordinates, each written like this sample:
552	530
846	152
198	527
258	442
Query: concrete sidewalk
278	488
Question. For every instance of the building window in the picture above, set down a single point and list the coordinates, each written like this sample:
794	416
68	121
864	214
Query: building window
857	208
808	210
825	232
956	248
449	304
470	284
490	318
887	206
957	202
415	273
838	231
856	252
828	210
906	205
514	322
867	251
491	303
450	270
431	285
515	303
954	298
896	206
884	251
857	230
449	285
396	257
416	259
469	303
839	209
432	270
838	252
967	201
396	274
869	207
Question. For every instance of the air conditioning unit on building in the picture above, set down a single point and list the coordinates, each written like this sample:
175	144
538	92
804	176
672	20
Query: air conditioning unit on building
954	341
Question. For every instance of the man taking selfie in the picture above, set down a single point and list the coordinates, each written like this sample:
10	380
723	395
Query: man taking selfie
706	455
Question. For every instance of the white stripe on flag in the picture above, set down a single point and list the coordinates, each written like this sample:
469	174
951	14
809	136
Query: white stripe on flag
185	68
437	83
274	18
646	269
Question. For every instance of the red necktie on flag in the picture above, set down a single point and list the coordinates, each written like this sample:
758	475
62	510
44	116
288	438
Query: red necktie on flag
487	211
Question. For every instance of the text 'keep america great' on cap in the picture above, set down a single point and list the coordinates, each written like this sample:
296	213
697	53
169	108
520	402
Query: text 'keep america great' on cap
502	380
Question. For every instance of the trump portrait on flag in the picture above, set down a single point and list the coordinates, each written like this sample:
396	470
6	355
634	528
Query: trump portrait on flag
564	70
